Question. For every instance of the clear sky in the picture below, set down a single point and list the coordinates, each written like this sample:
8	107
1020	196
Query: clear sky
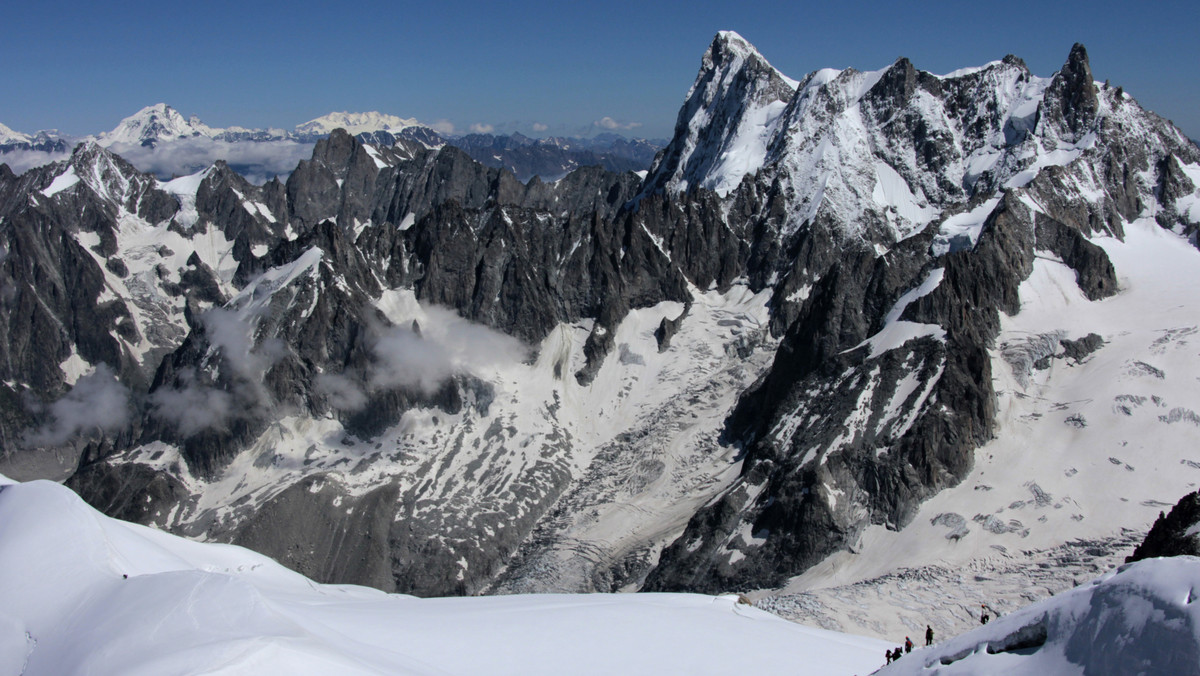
82	66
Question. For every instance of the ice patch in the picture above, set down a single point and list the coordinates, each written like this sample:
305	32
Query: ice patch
61	182
896	332
961	231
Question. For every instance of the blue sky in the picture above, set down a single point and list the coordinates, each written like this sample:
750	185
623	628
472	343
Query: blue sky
81	67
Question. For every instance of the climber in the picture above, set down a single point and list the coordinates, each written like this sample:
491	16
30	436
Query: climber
983	619
928	635
908	644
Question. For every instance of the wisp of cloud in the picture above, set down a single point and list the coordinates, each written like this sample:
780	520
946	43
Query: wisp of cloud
98	403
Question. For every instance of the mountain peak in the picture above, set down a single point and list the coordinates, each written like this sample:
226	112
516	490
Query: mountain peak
729	41
1078	58
722	130
1074	90
152	125
356	123
730	52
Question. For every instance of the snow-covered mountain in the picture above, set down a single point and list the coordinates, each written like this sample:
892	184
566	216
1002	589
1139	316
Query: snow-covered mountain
1007	203
728	119
153	125
22	151
10	137
852	331
355	123
161	123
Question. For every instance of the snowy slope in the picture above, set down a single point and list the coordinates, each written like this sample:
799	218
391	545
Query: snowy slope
729	117
912	168
1142	619
537	422
85	593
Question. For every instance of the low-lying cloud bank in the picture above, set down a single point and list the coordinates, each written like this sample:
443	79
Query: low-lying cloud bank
258	161
21	161
437	346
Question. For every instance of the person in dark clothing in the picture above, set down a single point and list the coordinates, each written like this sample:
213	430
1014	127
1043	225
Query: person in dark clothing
928	635
896	654
983	619
908	644
889	655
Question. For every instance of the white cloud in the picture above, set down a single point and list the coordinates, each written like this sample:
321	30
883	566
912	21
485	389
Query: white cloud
193	407
21	161
443	127
341	392
539	127
444	345
607	122
97	403
479	128
257	160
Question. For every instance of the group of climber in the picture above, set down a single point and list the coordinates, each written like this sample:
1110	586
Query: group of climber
899	651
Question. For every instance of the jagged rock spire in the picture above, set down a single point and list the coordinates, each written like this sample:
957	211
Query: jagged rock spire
1074	91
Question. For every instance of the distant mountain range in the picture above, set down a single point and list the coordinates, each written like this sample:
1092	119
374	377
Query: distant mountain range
160	140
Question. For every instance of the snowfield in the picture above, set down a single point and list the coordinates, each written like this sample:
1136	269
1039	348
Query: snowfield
83	593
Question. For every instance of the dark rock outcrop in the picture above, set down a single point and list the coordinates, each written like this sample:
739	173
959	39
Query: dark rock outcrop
1072	96
1173	534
